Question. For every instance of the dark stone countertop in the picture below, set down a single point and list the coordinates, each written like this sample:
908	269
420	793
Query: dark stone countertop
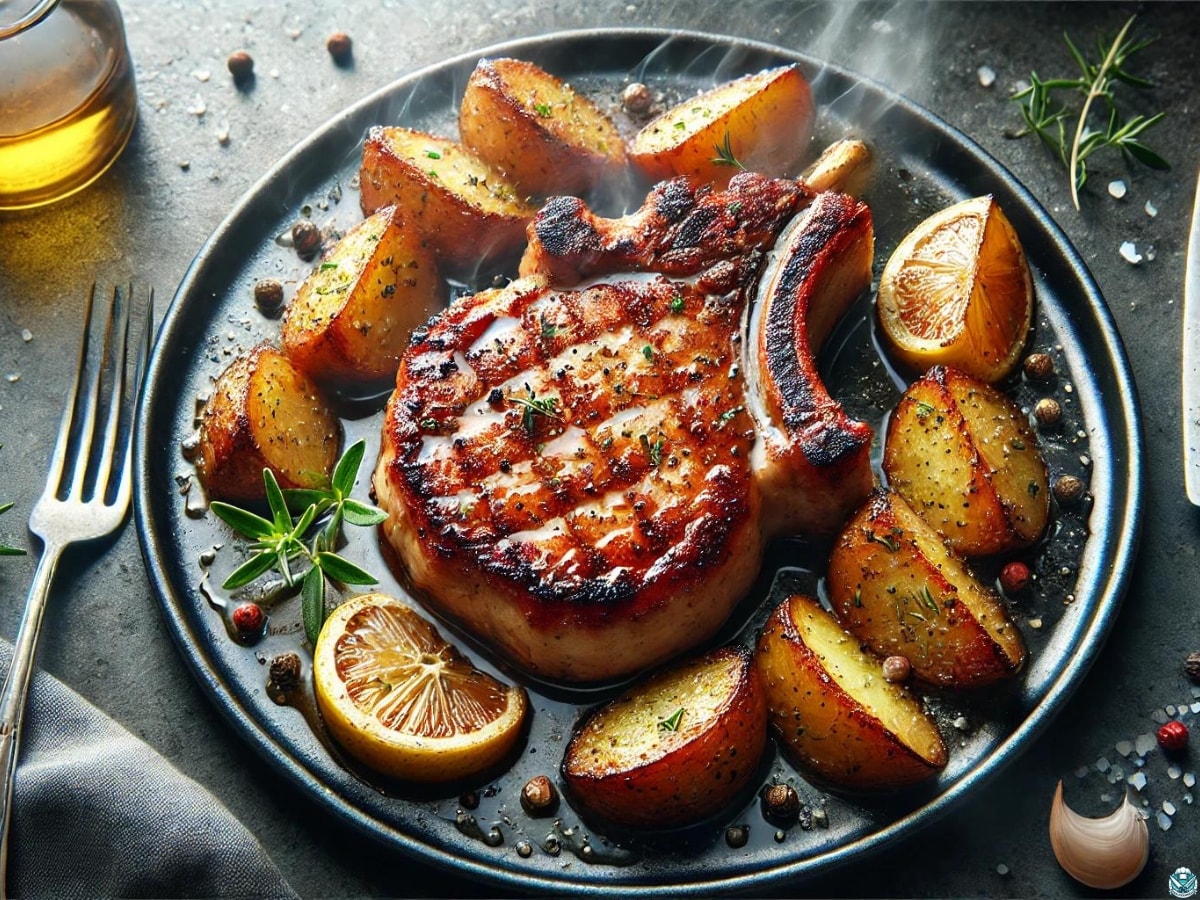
154	210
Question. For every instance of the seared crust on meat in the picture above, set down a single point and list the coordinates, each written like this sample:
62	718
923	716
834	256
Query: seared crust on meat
577	476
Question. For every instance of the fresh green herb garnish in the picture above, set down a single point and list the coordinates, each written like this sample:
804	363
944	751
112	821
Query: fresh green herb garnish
308	537
653	449
728	416
433	154
542	109
725	155
888	540
328	265
671	723
1096	82
5	550
924	410
533	406
648	352
550	329
677	303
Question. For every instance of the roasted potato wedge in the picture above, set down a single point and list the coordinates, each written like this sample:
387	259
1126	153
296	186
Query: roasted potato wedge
832	709
352	317
265	413
761	122
536	130
844	166
673	749
965	458
897	587
467	211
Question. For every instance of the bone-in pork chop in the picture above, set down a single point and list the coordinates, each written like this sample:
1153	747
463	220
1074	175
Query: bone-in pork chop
582	468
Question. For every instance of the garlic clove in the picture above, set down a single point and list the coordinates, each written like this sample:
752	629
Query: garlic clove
1104	853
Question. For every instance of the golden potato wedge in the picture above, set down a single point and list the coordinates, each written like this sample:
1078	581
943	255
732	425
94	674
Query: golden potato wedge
536	130
966	460
844	166
832	709
673	749
265	413
467	211
761	122
352	317
897	587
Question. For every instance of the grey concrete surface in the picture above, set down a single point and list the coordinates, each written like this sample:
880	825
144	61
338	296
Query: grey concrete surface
153	211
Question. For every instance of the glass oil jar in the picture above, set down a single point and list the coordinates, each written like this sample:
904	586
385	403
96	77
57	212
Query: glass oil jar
68	99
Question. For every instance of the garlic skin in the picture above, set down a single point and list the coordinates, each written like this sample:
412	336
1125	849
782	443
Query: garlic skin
1103	853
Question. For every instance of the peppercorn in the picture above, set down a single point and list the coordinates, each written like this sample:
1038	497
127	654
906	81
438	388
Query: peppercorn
306	238
896	669
268	296
1173	737
1015	577
241	66
636	98
1191	667
539	797
340	47
1068	489
284	671
248	620
1047	411
736	836
1039	366
781	805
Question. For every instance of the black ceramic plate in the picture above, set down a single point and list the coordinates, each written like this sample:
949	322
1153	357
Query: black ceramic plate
923	164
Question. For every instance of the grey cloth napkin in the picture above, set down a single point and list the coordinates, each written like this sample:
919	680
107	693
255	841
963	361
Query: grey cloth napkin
100	813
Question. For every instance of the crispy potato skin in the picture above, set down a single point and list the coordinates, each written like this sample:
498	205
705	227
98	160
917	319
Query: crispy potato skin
264	413
351	319
813	674
901	591
466	210
537	130
966	460
767	118
627	767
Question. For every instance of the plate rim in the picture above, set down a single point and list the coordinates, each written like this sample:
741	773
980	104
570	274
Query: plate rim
1067	677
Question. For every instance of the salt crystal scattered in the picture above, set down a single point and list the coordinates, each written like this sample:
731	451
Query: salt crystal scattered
1002	869
1139	761
1115	777
1159	716
1151	209
1150	254
1035	623
1082	772
1170	709
1117	188
1174	771
1124	747
14	377
202	75
1084	459
1196	691
1169	808
961	723
987	76
1164	821
222	134
1189	799
1137	780
198	108
1145	743
882	26
1130	254
26	335
274	73
1196	707
1189	779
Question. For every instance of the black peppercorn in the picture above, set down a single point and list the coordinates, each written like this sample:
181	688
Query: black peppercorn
241	66
285	671
636	98
268	296
539	797
1039	366
1191	667
340	47
1047	411
781	805
306	238
1068	489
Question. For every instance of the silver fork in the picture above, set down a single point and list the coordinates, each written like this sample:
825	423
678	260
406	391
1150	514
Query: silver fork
86	497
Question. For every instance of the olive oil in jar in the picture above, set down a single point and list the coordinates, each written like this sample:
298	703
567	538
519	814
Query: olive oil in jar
68	101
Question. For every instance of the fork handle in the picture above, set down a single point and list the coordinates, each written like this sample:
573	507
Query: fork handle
16	688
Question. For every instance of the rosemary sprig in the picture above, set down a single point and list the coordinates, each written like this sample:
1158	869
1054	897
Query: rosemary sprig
671	723
309	537
1048	119
725	155
534	406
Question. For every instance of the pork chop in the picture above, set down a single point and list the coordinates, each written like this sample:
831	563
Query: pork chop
582	469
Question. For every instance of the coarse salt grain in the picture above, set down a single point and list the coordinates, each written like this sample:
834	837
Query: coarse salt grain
1169	808
1151	209
1145	743
1117	189
1002	869
1164	821
1160	716
1137	780
987	76
26	335
1130	254
1124	747
1082	772
1189	779
1174	772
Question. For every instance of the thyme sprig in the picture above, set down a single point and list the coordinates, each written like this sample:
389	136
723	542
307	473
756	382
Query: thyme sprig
533	406
1049	120
309	537
725	155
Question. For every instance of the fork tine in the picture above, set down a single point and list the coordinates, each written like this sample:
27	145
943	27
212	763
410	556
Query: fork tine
59	456
120	355
91	400
124	486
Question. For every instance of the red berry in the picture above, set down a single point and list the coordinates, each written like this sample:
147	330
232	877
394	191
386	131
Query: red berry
1173	737
248	619
1015	577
